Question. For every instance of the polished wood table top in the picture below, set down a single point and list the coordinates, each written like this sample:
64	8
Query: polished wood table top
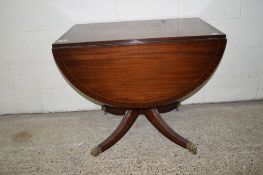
140	67
133	31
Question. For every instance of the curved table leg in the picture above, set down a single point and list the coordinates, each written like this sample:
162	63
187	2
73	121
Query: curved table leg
158	122
120	131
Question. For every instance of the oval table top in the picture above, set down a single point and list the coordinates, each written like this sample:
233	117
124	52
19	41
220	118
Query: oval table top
139	64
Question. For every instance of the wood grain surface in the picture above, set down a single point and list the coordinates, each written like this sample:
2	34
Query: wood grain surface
134	32
140	75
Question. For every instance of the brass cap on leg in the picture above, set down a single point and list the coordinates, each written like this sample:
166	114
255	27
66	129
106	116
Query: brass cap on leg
95	151
191	147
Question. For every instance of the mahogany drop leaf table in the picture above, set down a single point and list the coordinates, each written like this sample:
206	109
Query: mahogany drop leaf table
140	67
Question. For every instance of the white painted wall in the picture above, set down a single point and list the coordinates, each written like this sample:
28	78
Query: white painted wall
30	81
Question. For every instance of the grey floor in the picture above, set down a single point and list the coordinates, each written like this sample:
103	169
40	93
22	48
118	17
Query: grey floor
229	138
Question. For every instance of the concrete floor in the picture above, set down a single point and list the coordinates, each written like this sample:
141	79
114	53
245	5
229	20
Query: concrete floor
229	138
